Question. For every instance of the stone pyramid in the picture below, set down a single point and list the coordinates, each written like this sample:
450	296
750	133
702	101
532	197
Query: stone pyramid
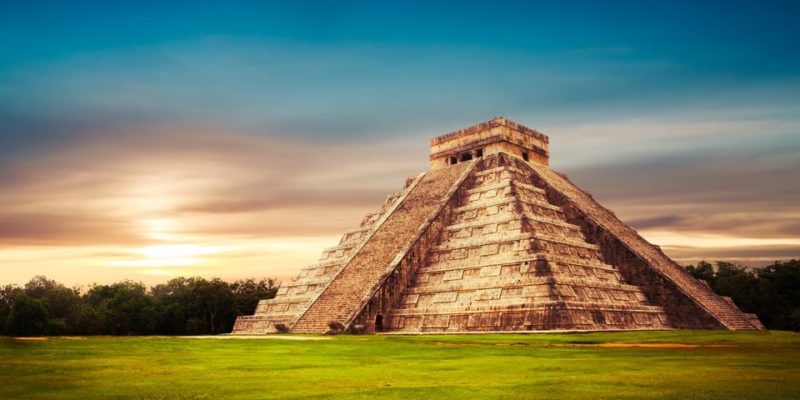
492	240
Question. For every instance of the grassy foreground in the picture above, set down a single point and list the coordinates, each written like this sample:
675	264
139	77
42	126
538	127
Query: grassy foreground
635	365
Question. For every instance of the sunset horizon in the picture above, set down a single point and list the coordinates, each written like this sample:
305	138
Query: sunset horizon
240	141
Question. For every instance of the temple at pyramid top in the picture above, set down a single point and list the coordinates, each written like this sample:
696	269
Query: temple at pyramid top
497	135
490	239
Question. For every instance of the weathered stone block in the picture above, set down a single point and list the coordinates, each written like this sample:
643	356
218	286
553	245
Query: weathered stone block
491	239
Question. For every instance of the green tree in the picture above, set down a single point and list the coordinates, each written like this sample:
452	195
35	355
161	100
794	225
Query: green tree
122	308
28	317
703	271
130	309
785	277
248	292
174	302
736	281
216	299
94	320
192	305
783	282
63	303
7	295
772	292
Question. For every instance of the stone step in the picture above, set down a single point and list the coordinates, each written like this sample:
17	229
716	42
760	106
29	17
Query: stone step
340	300
504	183
508	217
454	244
318	275
503	260
503	201
557	304
466	284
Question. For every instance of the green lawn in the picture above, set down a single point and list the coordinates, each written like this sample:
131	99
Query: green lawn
673	364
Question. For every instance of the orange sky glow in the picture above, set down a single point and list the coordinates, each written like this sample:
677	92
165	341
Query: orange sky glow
239	141
181	201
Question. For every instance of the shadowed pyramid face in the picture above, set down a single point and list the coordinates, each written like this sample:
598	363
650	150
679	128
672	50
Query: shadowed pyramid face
492	239
497	135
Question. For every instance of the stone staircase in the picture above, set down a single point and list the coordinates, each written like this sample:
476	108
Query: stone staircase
340	299
510	261
295	296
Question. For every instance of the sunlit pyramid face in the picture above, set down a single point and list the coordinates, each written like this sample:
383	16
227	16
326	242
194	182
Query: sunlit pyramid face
492	240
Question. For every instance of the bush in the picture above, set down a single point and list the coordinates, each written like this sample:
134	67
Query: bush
336	328
282	328
359	329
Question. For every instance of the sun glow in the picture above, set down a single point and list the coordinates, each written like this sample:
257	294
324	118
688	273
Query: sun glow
160	229
162	262
178	251
169	255
159	257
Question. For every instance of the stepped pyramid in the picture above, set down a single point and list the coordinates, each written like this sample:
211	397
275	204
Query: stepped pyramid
492	240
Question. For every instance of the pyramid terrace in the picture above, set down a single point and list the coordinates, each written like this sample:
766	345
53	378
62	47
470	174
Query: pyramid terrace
492	240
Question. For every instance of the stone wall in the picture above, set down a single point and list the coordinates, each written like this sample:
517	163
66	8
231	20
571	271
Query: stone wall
498	135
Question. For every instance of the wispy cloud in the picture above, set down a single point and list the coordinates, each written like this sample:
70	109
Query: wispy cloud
266	134
700	185
251	197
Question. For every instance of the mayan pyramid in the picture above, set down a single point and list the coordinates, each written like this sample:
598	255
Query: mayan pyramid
492	240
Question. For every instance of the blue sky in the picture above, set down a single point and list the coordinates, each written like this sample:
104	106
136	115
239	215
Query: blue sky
305	69
683	117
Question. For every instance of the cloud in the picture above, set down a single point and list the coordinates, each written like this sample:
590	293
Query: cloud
266	140
131	186
289	131
362	89
723	184
63	230
194	175
257	200
271	202
655	222
757	256
663	137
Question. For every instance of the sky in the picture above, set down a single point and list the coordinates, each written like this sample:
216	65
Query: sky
149	140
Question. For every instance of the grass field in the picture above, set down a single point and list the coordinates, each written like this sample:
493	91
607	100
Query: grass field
673	364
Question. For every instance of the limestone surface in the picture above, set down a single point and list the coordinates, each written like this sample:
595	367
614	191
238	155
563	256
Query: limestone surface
492	239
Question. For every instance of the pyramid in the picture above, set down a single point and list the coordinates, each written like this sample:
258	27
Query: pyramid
492	240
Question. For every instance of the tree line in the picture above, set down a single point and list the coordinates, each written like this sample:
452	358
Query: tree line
194	306
182	306
771	292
